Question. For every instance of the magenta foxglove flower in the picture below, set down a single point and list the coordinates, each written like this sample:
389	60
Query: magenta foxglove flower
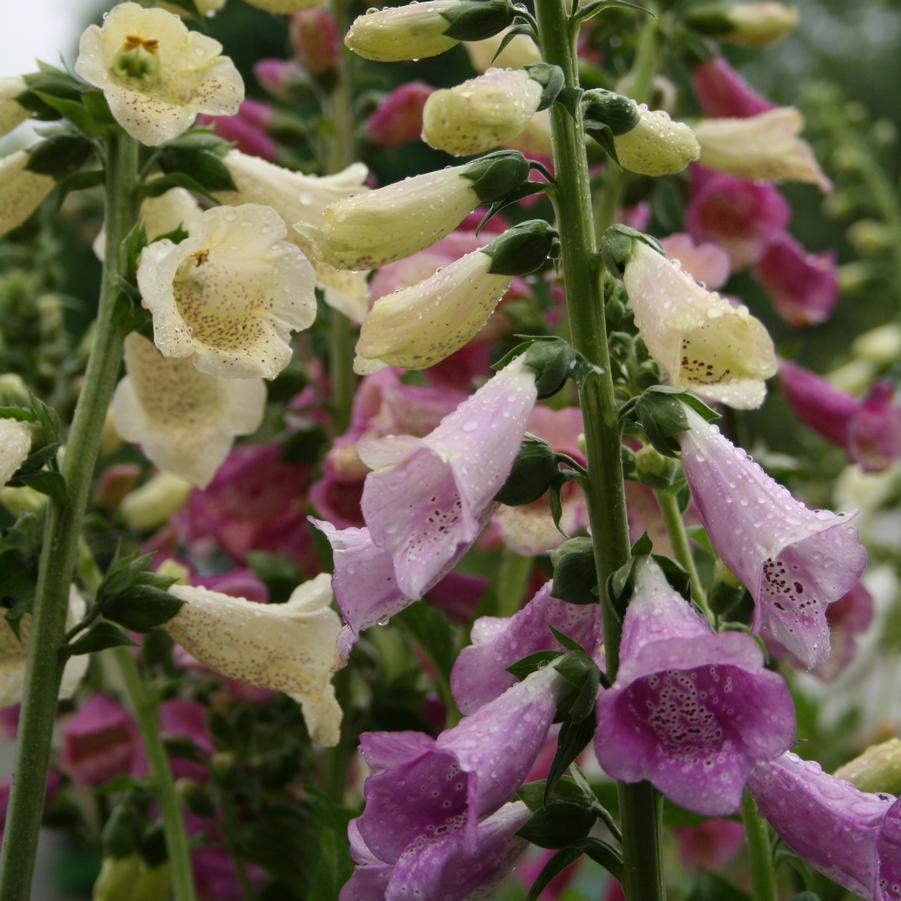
740	216
692	711
705	262
794	561
711	844
247	136
276	76
427	500
314	38
398	118
847	618
874	432
818	404
423	789
480	671
802	286
448	868
851	836
722	92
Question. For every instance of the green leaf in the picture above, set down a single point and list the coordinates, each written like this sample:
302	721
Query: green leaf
571	741
99	637
75	112
200	158
78	181
605	854
279	574
174	180
60	155
533	662
556	865
140	608
558	824
50	483
124	829
566	790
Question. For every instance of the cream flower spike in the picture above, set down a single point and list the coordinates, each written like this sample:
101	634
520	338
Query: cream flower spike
229	296
13	653
700	340
157	75
21	191
15	445
185	420
290	647
300	198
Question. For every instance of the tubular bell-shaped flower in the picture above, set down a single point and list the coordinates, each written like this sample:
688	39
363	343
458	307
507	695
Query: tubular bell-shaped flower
427	500
700	340
229	296
852	837
794	561
721	91
422	325
691	711
184	419
765	147
21	191
482	113
480	671
286	647
751	24
393	222
11	111
157	75
15	445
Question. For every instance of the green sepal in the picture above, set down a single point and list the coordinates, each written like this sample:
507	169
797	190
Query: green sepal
140	608
496	175
522	248
575	574
533	471
475	20
100	636
60	154
198	155
550	78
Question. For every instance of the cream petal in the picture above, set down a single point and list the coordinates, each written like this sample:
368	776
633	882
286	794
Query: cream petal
15	445
21	191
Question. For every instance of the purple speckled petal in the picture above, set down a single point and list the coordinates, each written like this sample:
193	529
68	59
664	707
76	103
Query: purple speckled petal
794	561
480	672
450	870
851	836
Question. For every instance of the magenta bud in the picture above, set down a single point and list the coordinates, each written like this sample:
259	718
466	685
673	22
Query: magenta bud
314	37
398	119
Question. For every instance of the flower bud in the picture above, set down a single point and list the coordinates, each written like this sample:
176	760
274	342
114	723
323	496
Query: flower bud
533	471
379	227
115	483
398	118
575	575
20	501
881	345
21	191
751	24
314	37
154	502
870	237
878	769
282	78
11	111
523	248
553	361
13	390
419	30
520	52
656	145
484	112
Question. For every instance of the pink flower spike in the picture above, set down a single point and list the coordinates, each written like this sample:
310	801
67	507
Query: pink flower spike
692	711
704	262
723	93
795	561
398	119
802	286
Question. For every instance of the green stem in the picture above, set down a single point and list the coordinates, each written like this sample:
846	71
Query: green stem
144	708
675	528
763	874
61	540
605	493
341	375
514	574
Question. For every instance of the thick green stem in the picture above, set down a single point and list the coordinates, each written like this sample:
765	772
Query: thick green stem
763	874
675	528
144	708
61	538
605	491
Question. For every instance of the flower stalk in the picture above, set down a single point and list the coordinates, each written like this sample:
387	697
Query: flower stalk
63	529
763	874
639	803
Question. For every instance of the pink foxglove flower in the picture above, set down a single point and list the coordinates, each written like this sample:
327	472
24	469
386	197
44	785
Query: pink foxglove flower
848	618
691	711
427	500
802	286
480	671
398	117
711	844
278	76
853	837
740	216
723	93
314	38
794	561
704	262
247	136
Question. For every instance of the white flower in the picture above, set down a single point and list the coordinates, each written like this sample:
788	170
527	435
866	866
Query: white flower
21	191
522	51
155	502
482	113
157	75
398	33
230	295
701	341
419	326
184	419
14	651
300	198
15	446
656	145
11	111
764	147
290	647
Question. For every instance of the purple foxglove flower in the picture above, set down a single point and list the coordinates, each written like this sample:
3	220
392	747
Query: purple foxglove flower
249	138
819	405
722	92
740	216
802	286
398	119
276	76
847	618
874	432
480	672
851	836
449	868
427	500
314	38
423	788
691	711
794	561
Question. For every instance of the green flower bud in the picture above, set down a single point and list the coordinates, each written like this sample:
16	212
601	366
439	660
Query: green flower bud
533	471
522	248
575	575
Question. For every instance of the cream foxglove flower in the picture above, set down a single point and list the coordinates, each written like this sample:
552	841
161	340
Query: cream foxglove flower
14	651
21	191
290	647
155	502
11	111
300	198
370	230
765	147
15	446
700	340
157	75
229	296
535	138
482	113
185	420
751	24
522	51
656	145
